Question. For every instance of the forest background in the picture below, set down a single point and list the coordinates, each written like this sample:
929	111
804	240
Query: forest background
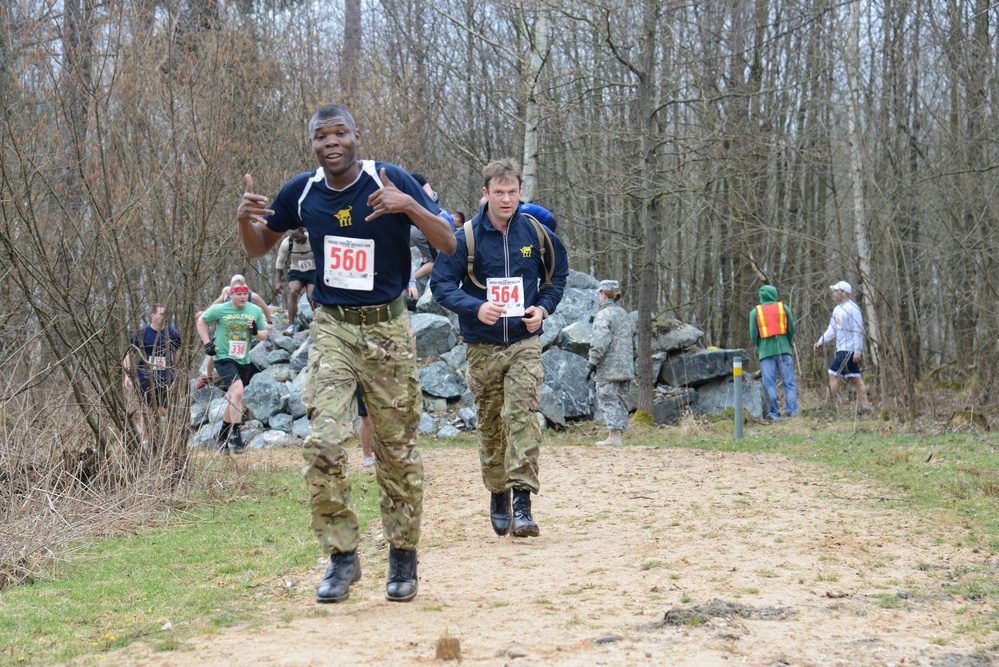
691	150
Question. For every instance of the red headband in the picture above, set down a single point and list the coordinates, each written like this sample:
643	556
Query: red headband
239	289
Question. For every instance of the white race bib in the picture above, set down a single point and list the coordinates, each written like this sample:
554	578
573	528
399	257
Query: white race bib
508	293
350	263
237	349
158	363
306	264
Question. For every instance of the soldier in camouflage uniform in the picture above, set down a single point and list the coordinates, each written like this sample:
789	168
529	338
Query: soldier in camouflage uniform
500	309
612	360
358	215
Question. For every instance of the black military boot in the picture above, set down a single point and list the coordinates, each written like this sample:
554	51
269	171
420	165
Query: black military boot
344	569
499	512
523	522
402	584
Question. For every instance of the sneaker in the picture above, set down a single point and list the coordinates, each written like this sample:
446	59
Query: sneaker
202	382
864	411
368	462
290	331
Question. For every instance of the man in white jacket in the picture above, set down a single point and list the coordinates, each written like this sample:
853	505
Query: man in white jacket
846	327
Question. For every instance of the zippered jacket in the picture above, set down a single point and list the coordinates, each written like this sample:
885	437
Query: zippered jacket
498	255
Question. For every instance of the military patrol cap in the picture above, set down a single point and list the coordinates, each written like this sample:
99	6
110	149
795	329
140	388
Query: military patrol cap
610	286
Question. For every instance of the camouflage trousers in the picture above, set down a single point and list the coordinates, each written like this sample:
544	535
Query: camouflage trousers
612	399
381	358
506	382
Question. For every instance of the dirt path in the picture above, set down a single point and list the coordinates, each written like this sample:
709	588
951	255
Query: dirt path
779	566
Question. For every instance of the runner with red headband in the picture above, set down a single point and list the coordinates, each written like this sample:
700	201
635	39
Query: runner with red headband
237	324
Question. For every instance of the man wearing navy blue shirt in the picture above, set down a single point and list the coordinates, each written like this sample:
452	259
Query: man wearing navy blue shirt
358	214
500	313
156	346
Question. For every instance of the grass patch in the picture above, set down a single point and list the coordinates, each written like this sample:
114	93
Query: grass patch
200	573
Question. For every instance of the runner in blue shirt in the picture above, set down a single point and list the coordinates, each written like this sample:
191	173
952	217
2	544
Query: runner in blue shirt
358	214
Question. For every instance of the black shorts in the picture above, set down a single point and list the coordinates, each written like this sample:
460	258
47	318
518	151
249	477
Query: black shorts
843	365
154	392
362	409
304	277
229	371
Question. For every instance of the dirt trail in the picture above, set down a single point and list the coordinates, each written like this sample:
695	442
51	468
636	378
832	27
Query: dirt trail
779	565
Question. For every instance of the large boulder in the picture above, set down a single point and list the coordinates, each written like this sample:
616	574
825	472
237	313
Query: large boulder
565	373
455	358
581	280
551	407
669	335
670	405
550	329
300	357
305	312
435	334
269	439
719	395
300	428
282	421
578	305
426	304
287	343
695	369
576	338
439	380
278	356
280	372
201	399
259	354
264	398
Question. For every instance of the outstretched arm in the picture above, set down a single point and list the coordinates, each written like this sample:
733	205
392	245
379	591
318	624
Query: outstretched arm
256	236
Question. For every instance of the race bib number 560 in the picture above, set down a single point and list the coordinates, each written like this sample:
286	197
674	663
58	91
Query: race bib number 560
507	292
349	263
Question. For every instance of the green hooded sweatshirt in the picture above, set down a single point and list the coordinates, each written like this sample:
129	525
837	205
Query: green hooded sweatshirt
774	345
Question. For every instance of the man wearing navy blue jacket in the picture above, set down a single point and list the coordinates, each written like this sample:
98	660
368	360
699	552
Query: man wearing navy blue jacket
500	307
358	214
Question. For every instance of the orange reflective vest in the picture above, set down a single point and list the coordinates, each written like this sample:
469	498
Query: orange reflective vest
771	319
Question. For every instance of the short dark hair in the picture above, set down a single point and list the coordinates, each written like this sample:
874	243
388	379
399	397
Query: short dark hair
459	214
506	169
327	112
153	307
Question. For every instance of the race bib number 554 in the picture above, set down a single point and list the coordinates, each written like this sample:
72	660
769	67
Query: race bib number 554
349	263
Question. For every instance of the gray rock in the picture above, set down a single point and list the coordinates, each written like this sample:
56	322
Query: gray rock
278	356
578	305
565	373
467	398
542	422
300	428
576	338
264	397
427	423
448	432
200	400
281	422
259	354
300	357
670	407
426	304
550	406
439	380
435	334
467	415
670	336
280	372
719	395
695	369
287	343
305	312
550	329
455	358
581	280
434	404
217	408
269	439
205	436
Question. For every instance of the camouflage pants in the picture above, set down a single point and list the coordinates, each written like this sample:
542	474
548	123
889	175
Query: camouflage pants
506	381
382	359
612	397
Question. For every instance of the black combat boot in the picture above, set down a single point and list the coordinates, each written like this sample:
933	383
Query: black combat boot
499	512
402	584
344	569
236	444
523	522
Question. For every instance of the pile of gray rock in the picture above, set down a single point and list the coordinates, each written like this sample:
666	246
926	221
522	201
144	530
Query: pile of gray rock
689	377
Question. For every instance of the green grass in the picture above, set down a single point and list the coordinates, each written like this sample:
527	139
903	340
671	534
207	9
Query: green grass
202	573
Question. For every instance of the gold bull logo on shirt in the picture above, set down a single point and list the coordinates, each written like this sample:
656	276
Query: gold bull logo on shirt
343	217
